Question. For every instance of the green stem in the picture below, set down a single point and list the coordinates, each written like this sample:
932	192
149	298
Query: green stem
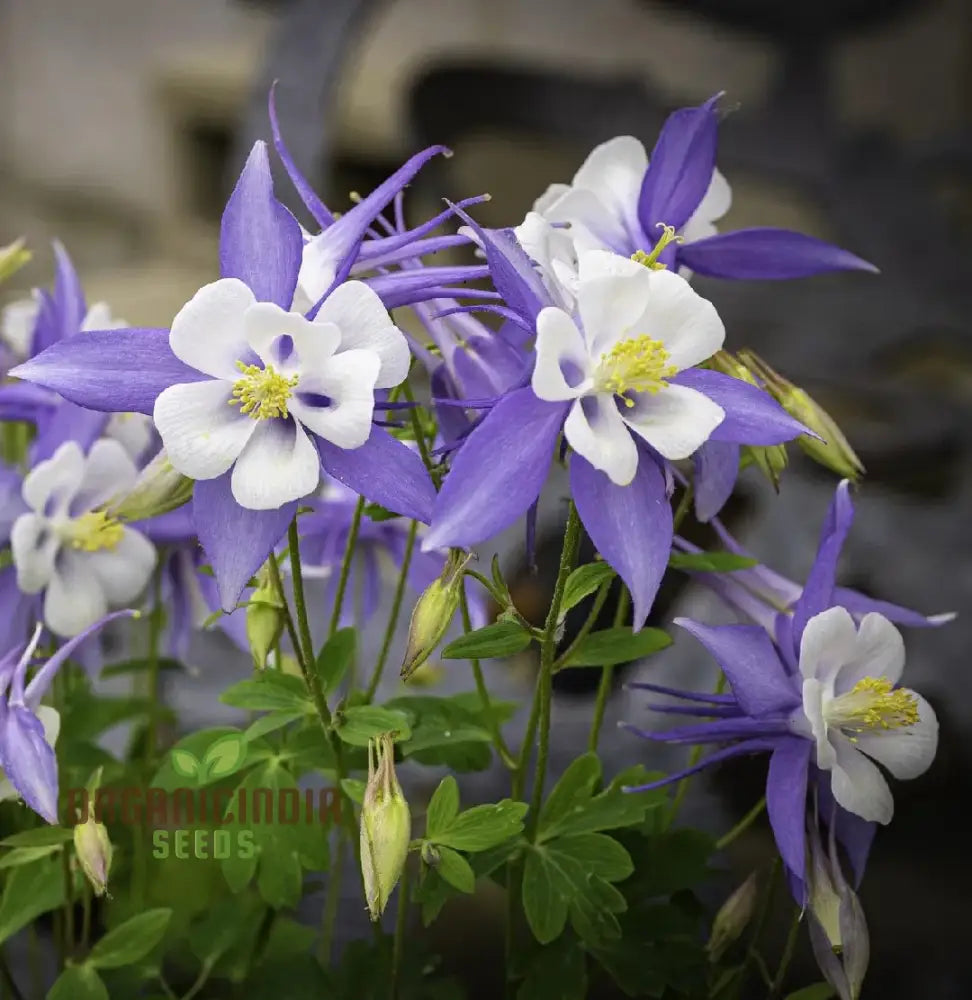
752	953
600	599
788	949
607	674
201	980
333	901
548	649
491	721
401	926
395	612
742	826
683	507
154	635
68	904
694	757
345	567
300	604
288	618
85	919
420	435
488	585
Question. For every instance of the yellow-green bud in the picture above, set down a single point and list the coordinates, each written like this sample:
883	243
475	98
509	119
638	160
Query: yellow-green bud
769	459
732	918
158	489
12	258
93	848
264	622
834	451
433	612
386	827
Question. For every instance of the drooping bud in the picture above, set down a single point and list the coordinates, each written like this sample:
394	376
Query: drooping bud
732	918
386	826
12	258
158	490
771	460
433	612
833	451
264	620
93	848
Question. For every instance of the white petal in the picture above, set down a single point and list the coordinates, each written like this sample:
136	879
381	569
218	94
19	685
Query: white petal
676	421
279	464
201	431
687	324
99	317
879	652
318	269
716	201
50	719
275	334
560	347
348	382
124	571
612	295
813	712
364	323
34	546
550	197
614	170
829	641
584	210
908	752
858	785
133	431
17	322
207	332
74	598
51	485
595	430
108	471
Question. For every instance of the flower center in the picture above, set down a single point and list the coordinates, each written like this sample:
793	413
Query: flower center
637	364
651	259
262	393
871	705
93	532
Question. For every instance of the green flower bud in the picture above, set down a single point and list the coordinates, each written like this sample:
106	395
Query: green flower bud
433	612
158	489
94	851
12	258
833	451
771	460
264	623
386	827
732	918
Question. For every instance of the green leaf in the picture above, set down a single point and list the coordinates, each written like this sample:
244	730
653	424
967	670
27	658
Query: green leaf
572	791
592	912
818	991
502	638
454	868
582	582
31	890
270	692
354	788
558	972
24	855
710	562
224	756
378	513
335	658
617	645
545	897
483	827
271	723
362	723
443	807
140	664
130	941
78	982
600	855
38	837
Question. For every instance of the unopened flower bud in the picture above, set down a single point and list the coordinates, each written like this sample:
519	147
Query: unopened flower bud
386	827
831	449
158	489
769	459
12	258
93	848
430	854
264	622
433	612
732	918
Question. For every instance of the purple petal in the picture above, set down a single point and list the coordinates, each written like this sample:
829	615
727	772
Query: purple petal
717	731
27	760
236	540
752	415
68	295
711	699
768	254
67	422
47	326
400	288
116	371
169	529
818	592
631	526
749	660
680	168
716	469
786	801
487	365
259	240
855	834
757	745
23	401
859	604
498	473
383	470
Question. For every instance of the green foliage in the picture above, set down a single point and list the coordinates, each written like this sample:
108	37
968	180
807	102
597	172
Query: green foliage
710	562
502	638
583	582
617	645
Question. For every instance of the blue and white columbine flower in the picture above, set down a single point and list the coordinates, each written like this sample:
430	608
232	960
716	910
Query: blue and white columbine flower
83	560
274	376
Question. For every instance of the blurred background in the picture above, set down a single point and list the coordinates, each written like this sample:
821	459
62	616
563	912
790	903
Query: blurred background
123	126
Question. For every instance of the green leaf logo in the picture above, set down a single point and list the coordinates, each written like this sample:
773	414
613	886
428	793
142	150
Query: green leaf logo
185	764
224	756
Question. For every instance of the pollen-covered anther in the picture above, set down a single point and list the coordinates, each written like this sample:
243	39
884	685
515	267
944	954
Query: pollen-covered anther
651	259
94	531
873	704
637	364
262	393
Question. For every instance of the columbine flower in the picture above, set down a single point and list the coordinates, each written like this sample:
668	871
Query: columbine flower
83	560
618	199
28	729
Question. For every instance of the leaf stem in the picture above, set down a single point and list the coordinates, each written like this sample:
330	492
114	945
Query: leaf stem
401	926
788	950
600	599
742	826
607	672
345	567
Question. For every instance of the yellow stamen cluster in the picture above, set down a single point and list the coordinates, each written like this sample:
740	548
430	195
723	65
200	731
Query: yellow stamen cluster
262	393
651	259
637	364
871	705
94	531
